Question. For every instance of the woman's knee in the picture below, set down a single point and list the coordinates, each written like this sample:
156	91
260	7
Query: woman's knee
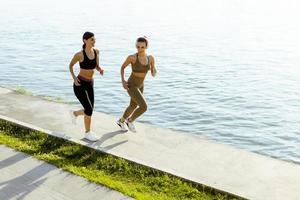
132	106
88	111
143	106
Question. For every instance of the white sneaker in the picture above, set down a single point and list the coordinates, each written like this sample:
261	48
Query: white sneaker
131	126
90	136
122	125
73	117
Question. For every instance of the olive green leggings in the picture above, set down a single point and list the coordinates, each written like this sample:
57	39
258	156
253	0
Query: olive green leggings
135	91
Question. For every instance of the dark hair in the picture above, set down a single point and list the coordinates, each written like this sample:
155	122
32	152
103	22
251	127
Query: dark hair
87	35
143	39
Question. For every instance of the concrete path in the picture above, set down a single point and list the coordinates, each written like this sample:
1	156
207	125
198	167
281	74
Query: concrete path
236	171
24	177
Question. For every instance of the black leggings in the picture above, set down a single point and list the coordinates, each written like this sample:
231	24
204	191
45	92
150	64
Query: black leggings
85	94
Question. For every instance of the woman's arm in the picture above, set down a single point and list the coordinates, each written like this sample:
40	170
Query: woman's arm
124	65
98	68
74	60
152	66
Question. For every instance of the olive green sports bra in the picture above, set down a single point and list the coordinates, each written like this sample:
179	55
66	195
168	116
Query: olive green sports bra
139	67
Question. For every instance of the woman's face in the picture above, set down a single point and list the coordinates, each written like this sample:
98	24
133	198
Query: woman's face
91	41
141	46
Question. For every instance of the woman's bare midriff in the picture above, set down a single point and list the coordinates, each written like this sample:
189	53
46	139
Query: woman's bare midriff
86	73
139	74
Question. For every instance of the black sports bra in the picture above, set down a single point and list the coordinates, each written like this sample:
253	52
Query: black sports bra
87	63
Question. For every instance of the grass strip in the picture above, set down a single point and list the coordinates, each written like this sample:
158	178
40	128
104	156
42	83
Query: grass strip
129	178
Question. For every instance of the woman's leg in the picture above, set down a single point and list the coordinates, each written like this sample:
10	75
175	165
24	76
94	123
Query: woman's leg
89	111
78	112
86	97
136	95
129	110
87	123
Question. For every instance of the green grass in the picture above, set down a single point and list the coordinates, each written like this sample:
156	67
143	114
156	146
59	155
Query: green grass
23	90
57	99
130	178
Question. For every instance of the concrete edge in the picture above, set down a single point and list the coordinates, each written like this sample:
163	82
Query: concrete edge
32	127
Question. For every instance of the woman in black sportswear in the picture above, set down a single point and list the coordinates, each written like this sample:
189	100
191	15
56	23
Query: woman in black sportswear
83	85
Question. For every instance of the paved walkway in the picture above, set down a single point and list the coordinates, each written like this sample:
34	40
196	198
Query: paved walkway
236	171
24	177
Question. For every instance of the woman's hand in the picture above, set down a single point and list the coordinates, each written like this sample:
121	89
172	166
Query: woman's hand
76	81
153	71
125	84
101	71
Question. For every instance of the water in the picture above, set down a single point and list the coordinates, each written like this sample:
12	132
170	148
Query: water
228	70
